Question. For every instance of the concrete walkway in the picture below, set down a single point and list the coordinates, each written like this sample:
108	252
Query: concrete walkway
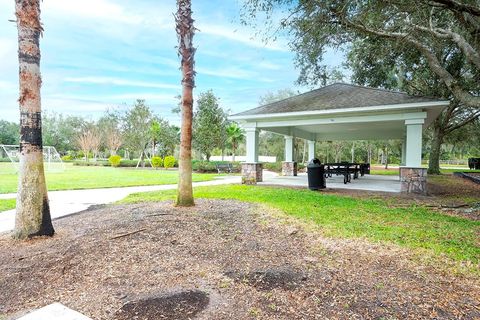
66	202
368	182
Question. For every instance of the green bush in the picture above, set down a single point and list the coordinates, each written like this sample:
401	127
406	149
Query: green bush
128	163
67	158
115	160
204	166
273	166
211	166
99	163
169	162
157	162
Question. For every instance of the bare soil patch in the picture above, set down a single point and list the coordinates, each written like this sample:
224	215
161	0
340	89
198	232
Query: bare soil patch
220	260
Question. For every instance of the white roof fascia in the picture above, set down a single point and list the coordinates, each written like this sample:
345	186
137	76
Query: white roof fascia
389	107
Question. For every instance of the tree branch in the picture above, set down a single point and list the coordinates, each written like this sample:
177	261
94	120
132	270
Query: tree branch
470	53
462	95
466	121
458	6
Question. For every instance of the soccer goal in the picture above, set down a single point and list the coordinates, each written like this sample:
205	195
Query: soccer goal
51	158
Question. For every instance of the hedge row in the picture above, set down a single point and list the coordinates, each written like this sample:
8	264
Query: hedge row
211	166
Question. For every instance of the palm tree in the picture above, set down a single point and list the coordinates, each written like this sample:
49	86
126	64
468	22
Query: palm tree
33	212
185	31
235	135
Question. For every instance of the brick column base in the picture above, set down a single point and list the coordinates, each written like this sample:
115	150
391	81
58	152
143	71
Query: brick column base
413	180
289	168
252	173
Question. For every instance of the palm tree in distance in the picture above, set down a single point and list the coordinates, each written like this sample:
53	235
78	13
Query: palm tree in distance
235	135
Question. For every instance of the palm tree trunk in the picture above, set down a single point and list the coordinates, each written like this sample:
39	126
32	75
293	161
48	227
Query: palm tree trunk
33	211
185	31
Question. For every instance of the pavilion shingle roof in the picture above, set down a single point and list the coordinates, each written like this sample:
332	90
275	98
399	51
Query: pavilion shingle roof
336	96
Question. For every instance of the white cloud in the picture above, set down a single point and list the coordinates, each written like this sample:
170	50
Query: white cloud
225	31
121	82
92	9
269	65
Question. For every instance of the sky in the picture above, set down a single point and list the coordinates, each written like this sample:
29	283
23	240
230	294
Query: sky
100	54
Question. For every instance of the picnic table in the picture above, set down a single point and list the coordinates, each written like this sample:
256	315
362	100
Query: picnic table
346	169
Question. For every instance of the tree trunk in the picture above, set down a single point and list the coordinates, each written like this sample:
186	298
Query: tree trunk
185	31
353	152
369	154
434	159
142	159
304	150
33	211
386	157
233	152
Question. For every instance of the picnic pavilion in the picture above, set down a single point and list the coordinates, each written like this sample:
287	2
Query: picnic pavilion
343	112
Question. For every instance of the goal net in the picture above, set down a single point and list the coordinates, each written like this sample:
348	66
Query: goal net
10	154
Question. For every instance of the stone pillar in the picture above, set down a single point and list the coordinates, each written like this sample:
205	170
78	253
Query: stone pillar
252	170
289	168
252	173
413	180
252	145
311	150
414	143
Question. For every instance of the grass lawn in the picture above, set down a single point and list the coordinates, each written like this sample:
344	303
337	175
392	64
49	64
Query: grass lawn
77	177
7	204
347	217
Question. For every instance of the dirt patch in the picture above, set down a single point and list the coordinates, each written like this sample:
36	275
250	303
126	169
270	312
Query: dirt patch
102	259
181	305
284	278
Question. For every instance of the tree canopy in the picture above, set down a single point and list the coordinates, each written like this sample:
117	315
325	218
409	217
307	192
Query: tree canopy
209	124
430	28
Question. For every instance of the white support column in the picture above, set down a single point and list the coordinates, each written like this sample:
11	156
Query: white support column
252	145
311	150
289	148
404	153
414	143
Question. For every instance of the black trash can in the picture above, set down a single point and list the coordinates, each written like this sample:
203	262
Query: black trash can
316	175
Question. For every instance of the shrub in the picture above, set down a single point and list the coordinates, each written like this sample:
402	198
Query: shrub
204	166
211	167
67	158
92	164
128	163
115	160
157	162
169	162
273	166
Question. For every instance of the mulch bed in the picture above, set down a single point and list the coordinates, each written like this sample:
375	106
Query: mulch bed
220	260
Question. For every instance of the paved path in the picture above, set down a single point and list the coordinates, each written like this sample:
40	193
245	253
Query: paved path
66	202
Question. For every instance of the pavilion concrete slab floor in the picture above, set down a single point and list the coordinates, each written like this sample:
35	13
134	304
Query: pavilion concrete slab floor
343	112
368	182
